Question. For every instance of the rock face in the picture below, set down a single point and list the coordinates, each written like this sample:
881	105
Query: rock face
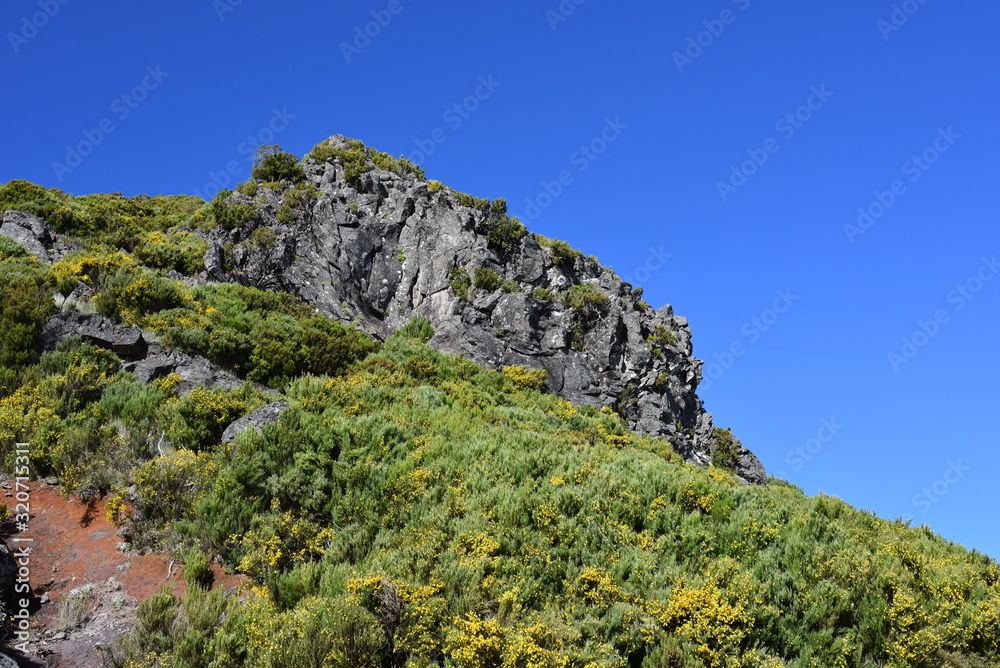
386	248
28	230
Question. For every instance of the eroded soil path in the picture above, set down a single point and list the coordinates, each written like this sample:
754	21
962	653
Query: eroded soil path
73	545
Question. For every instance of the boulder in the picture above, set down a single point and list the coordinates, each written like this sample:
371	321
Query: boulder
28	230
126	342
265	415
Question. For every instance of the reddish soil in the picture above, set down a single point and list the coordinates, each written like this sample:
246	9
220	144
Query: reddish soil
74	545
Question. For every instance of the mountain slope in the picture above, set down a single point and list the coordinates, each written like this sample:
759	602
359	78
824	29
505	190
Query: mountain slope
365	238
406	507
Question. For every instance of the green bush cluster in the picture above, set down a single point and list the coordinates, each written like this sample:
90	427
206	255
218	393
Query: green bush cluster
176	249
460	282
465	199
660	338
358	159
265	335
725	448
231	215
25	305
105	218
418	328
486	279
428	510
588	300
296	199
588	303
563	255
502	232
271	164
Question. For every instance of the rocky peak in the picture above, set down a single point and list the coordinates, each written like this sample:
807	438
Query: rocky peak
366	239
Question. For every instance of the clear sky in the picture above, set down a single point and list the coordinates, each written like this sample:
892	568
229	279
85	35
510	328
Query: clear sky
716	153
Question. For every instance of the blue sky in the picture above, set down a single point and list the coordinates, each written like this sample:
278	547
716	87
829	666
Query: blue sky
716	153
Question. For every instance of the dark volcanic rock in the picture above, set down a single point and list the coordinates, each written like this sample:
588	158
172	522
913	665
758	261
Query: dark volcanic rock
147	360
126	342
28	230
264	415
390	247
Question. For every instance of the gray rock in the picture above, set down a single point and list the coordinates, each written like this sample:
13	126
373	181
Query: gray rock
348	266
147	360
264	415
6	661
126	342
28	230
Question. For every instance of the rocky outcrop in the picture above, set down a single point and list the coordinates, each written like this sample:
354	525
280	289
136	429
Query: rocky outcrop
146	359
385	248
28	230
126	342
263	416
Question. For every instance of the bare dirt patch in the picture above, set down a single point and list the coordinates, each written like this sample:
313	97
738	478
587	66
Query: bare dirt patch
77	553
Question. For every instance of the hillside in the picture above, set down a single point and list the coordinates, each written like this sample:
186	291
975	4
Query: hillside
475	446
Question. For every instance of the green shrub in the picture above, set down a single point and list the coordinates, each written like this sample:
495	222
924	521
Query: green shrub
503	232
511	286
196	421
197	569
273	164
524	378
725	448
418	328
25	305
231	216
358	159
468	200
295	199
460	282
660	339
587	300
176	248
486	279
563	255
132	292
544	294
